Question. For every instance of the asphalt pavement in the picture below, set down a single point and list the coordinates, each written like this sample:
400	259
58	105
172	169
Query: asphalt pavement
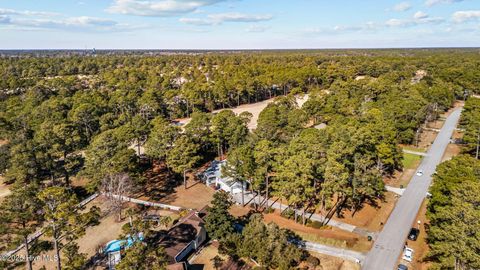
391	241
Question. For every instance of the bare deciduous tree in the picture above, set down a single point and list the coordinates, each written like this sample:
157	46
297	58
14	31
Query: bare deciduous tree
115	187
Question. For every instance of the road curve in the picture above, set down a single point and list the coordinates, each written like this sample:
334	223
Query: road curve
390	242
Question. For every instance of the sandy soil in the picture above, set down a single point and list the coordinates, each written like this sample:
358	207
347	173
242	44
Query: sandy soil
4	190
334	263
328	235
94	238
97	236
401	178
164	188
255	109
196	196
452	150
238	211
371	217
203	260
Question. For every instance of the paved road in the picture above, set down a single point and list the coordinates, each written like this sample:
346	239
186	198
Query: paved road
390	242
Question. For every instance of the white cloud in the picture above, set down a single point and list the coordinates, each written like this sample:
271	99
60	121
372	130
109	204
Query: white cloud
48	20
256	28
4	11
467	15
347	28
420	15
239	17
418	18
160	8
341	29
430	3
398	23
72	23
196	21
219	18
403	6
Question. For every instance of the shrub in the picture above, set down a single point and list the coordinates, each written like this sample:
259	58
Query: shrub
313	261
315	224
288	213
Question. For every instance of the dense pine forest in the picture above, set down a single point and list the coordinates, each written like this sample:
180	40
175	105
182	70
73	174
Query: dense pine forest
65	117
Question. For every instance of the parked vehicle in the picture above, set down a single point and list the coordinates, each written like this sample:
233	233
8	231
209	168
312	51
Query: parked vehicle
402	267
408	254
413	235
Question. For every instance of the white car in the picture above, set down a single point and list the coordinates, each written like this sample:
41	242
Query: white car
408	254
419	173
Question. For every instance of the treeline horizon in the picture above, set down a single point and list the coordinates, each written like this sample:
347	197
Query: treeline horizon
92	51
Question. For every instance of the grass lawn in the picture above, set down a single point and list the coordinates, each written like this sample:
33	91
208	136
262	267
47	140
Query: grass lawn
410	161
360	245
415	149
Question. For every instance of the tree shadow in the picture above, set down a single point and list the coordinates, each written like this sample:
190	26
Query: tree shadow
159	182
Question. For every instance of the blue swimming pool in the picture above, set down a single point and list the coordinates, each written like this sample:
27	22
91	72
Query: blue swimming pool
117	245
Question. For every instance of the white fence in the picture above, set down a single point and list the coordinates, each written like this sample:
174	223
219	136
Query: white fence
146	203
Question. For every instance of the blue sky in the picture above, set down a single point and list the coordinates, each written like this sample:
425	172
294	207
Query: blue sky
238	24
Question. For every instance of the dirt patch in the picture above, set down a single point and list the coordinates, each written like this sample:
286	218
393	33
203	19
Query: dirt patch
452	148
4	189
95	237
238	211
334	263
426	139
196	196
400	179
328	235
451	151
371	217
163	187
203	259
254	108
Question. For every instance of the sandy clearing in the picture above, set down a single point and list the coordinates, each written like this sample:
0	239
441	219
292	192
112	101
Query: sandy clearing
4	190
254	108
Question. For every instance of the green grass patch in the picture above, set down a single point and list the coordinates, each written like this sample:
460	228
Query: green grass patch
410	161
414	149
322	240
361	246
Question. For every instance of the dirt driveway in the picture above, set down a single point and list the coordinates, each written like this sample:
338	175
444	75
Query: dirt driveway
254	108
